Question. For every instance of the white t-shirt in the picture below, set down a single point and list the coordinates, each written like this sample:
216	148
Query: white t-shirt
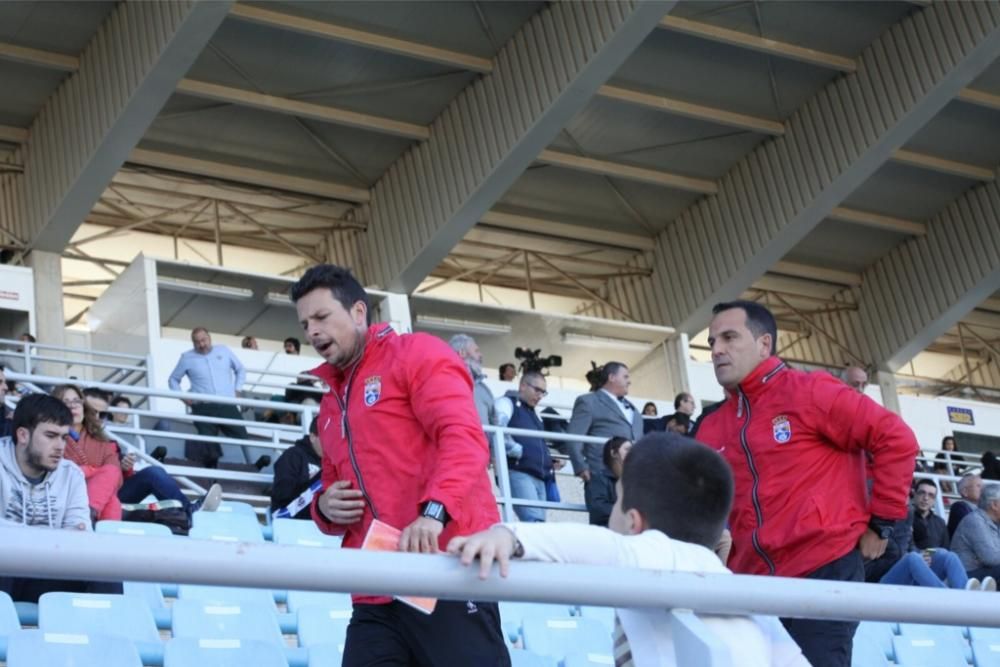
753	640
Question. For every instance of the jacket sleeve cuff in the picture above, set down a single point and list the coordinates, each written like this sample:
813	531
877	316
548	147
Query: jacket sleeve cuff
325	525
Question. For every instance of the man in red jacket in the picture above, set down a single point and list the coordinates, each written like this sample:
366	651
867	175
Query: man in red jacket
402	444
796	442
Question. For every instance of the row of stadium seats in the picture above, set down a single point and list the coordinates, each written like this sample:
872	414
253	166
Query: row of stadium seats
915	645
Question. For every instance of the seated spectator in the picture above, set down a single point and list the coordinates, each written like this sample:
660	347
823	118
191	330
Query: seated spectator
293	345
97	455
673	500
649	409
508	372
39	487
679	422
603	492
249	343
297	477
977	538
929	530
6	425
941	463
528	459
968	487
684	404
991	466
120	402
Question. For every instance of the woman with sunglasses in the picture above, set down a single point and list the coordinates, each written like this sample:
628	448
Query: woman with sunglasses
97	455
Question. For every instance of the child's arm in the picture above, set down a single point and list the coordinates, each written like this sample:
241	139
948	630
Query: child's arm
554	543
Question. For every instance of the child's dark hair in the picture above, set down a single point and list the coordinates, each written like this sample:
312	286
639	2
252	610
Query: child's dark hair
611	448
681	487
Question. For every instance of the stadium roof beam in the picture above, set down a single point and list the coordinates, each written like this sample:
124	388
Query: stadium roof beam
85	130
777	194
493	130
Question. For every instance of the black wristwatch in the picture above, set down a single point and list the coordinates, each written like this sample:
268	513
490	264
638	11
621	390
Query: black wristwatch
436	510
881	527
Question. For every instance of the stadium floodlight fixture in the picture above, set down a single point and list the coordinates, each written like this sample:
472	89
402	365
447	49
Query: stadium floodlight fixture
462	326
605	343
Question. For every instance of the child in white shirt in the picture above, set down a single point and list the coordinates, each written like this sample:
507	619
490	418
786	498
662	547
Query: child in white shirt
674	496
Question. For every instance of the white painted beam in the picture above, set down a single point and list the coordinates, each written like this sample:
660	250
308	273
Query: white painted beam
38	58
492	131
602	235
628	172
86	129
943	166
877	221
14	135
817	273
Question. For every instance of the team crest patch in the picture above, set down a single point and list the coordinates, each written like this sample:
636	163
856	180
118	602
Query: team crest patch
373	390
782	429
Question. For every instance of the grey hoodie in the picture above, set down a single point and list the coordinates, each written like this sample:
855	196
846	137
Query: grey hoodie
58	501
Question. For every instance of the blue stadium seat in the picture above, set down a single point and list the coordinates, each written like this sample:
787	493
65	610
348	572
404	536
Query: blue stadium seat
152	596
948	635
555	636
227	595
325	655
881	633
985	653
133	528
9	621
195	619
578	659
984	634
237	507
867	652
37	648
522	658
296	532
95	614
223	653
320	625
296	600
606	615
225	527
512	615
927	651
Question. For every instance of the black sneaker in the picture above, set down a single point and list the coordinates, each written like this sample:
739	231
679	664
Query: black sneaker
262	462
160	453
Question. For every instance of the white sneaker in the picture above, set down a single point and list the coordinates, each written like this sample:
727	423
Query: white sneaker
974	584
211	501
989	585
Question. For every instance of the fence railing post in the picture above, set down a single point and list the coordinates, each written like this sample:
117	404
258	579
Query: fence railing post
503	475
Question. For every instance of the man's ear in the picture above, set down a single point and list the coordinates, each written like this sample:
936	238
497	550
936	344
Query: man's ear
766	342
636	522
360	314
22	435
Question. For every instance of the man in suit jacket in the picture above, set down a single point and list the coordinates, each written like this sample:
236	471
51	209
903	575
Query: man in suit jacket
603	413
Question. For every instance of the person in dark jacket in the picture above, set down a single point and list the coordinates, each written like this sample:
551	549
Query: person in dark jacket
605	494
929	530
528	458
297	477
969	488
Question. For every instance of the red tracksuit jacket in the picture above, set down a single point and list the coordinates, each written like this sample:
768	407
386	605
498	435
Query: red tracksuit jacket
796	443
411	434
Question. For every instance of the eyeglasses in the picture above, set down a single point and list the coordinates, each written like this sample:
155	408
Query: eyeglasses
72	401
539	390
929	494
106	416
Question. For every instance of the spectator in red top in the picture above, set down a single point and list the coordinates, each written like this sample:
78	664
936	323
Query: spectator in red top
402	443
94	452
796	441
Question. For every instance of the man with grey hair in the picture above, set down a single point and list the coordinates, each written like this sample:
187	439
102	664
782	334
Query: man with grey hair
969	488
977	539
466	348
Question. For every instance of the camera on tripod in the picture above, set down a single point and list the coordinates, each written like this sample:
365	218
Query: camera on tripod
533	361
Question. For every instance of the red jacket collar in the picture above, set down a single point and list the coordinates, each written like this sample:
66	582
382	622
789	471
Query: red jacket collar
755	382
375	336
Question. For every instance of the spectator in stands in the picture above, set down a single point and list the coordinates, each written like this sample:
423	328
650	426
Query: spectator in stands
796	442
603	491
528	459
99	400
400	436
249	343
293	346
649	410
120	402
929	530
684	402
991	466
673	499
6	425
508	373
297	477
211	369
97	455
941	463
466	348
977	538
968	487
856	378
678	422
39	487
603	413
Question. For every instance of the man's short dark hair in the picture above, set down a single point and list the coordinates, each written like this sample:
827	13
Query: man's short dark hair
924	482
681	487
344	287
599	375
314	426
118	400
760	321
94	392
35	409
679	398
680	418
294	341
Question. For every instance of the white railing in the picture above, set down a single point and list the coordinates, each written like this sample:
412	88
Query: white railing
121	367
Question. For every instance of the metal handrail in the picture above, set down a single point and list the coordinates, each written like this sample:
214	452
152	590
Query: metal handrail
73	350
68	554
